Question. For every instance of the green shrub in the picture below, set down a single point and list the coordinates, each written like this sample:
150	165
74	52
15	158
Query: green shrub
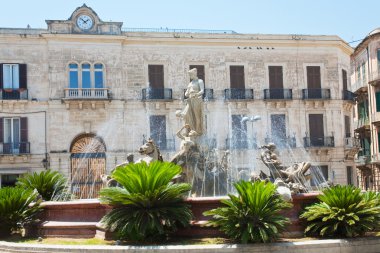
16	209
253	215
344	211
51	185
148	205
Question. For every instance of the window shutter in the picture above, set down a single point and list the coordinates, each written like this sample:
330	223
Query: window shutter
200	71
1	130
377	96
313	77
275	77
344	78
24	129
1	76
23	76
237	77
156	76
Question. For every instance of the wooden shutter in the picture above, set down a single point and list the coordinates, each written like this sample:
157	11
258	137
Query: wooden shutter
316	129
344	78
200	71
1	76
275	77
1	130
156	76
237	77
23	76
23	129
313	77
347	126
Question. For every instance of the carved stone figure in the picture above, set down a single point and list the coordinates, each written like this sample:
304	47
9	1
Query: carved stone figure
150	151
192	114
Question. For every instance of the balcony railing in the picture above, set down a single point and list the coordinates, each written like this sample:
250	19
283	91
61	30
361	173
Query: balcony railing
278	94
288	142
207	95
14	148
316	94
13	94
358	85
363	159
240	144
157	93
375	77
318	141
348	95
87	93
236	93
364	121
351	142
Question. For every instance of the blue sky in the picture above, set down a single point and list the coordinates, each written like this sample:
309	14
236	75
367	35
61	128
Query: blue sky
351	20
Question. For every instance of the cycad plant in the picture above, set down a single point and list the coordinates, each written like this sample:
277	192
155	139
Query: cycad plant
148	205
344	211
253	215
49	184
17	209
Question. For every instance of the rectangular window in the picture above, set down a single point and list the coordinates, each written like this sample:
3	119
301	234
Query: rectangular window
347	126
349	175
156	76
358	73
278	129
319	174
314	81
200	71
364	75
158	130
378	61
344	79
11	76
11	136
317	137
276	83
86	76
8	180
73	76
239	132
237	82
98	76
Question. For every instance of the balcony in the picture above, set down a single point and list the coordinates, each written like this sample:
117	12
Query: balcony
349	96
157	94
316	94
351	142
359	85
84	93
14	148
238	94
288	142
278	94
13	94
363	159
207	95
375	78
362	122
318	141
240	144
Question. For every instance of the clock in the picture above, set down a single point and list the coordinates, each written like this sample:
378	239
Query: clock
84	22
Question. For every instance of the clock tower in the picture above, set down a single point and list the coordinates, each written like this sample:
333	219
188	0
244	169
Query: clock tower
84	20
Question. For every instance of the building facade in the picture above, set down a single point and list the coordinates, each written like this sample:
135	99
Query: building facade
84	86
365	65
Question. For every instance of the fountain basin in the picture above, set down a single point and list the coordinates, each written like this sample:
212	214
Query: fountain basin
79	218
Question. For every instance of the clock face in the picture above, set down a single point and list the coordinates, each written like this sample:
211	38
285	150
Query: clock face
84	22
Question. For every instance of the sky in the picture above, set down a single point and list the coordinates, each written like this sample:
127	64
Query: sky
351	20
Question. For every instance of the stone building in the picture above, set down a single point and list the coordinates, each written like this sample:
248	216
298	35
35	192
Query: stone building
85	86
365	66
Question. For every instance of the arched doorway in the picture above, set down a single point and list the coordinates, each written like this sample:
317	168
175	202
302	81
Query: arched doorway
88	163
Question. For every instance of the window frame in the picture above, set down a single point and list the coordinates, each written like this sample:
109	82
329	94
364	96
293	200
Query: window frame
92	74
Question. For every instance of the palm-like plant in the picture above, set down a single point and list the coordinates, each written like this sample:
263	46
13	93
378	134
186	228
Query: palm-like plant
148	205
343	211
16	208
49	184
253	215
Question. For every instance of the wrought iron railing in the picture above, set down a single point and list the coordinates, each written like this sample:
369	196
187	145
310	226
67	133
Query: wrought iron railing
13	94
319	141
348	95
156	93
351	142
278	94
236	93
316	94
361	122
175	30
288	142
208	94
14	148
87	93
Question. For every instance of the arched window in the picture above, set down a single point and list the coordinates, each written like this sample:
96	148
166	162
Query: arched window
98	68
86	76
73	81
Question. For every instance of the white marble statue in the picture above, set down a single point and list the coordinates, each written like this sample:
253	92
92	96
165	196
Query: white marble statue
192	114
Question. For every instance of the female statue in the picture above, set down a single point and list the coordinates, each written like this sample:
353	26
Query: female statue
193	111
